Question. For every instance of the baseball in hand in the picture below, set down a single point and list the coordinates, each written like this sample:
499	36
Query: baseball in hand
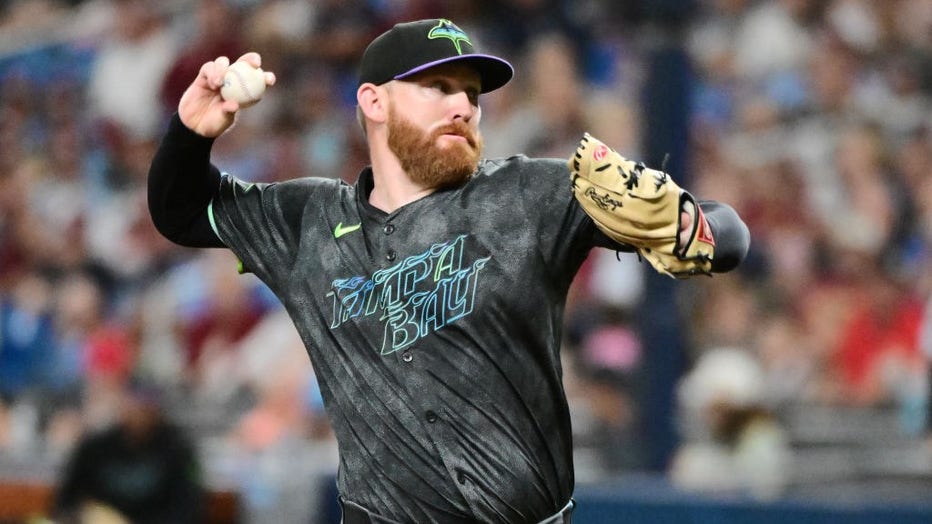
243	83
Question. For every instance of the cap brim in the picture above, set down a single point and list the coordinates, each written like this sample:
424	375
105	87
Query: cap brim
493	71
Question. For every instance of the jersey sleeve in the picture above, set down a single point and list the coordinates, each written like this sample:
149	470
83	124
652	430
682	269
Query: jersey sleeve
261	222
564	233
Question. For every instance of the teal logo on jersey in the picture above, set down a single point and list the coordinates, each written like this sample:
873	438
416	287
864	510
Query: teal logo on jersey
447	29
414	298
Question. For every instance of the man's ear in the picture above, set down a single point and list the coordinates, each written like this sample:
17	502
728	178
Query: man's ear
373	102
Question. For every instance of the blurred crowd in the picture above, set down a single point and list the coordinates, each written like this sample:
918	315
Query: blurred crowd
813	118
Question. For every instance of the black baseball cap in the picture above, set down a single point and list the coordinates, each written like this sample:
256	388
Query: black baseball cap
411	47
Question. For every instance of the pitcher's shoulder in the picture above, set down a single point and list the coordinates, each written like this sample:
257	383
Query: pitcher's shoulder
521	163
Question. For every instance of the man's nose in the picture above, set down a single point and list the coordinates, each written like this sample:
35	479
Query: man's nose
461	106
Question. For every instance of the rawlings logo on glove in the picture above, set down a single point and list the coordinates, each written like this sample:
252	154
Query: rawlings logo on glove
641	207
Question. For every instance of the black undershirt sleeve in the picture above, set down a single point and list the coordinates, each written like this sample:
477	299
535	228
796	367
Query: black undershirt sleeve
182	182
732	238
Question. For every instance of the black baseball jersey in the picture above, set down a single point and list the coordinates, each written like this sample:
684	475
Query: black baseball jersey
434	330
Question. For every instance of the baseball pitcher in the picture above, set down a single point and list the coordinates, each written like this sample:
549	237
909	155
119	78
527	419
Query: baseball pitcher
430	293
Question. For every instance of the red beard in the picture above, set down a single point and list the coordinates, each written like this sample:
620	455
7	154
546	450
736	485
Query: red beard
428	164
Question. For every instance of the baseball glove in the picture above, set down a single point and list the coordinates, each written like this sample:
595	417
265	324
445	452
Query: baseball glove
641	207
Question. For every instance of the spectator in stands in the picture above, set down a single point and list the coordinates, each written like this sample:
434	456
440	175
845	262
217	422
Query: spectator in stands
25	335
142	470
139	48
606	360
552	110
327	147
88	363
216	31
228	310
878	349
285	451
742	448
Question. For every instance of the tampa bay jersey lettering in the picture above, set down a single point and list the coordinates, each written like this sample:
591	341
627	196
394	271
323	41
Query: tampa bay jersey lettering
419	295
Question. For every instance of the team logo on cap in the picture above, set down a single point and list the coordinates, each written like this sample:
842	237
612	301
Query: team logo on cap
447	29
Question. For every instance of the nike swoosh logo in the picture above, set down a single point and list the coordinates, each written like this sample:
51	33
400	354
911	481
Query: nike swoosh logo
340	230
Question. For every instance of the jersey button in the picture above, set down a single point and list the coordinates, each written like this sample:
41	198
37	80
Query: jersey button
407	356
390	256
430	416
389	229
